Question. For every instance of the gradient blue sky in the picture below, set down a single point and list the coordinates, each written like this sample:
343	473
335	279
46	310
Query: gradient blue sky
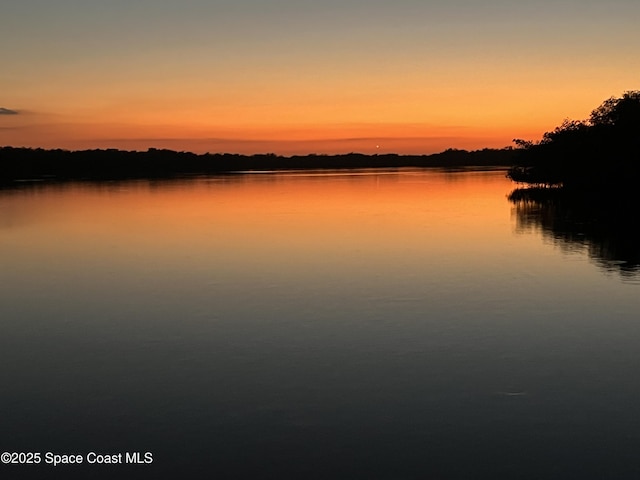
299	76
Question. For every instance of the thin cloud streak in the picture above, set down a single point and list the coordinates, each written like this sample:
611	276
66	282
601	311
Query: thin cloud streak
6	111
367	145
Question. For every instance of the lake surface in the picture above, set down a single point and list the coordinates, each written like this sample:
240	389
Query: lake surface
406	324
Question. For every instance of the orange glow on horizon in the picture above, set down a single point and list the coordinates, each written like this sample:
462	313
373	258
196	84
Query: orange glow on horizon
280	139
408	77
300	117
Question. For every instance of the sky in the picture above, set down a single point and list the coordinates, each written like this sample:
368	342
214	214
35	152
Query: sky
307	76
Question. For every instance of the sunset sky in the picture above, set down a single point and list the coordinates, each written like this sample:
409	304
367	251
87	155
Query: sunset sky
303	76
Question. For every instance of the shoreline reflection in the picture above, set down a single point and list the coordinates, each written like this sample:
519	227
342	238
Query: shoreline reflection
603	226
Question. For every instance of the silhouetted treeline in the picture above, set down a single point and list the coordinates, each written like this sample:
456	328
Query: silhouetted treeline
28	163
605	227
602	152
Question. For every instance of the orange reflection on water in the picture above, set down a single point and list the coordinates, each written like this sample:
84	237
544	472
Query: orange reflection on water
260	219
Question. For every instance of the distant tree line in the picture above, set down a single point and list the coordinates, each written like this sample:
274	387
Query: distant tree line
36	163
600	152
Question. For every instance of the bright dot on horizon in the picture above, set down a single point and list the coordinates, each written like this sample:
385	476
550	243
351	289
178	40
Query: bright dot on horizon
377	146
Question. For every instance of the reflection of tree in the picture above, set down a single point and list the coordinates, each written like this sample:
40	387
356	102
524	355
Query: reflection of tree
606	227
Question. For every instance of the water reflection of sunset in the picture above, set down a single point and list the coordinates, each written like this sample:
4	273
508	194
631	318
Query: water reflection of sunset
239	308
291	219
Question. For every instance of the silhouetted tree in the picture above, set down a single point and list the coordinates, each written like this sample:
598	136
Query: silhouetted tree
598	152
623	112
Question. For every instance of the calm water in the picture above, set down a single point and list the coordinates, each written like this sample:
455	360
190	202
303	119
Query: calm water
391	325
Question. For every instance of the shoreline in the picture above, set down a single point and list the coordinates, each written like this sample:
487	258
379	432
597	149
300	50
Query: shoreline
27	164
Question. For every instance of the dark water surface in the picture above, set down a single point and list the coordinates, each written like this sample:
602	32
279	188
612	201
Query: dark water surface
409	324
